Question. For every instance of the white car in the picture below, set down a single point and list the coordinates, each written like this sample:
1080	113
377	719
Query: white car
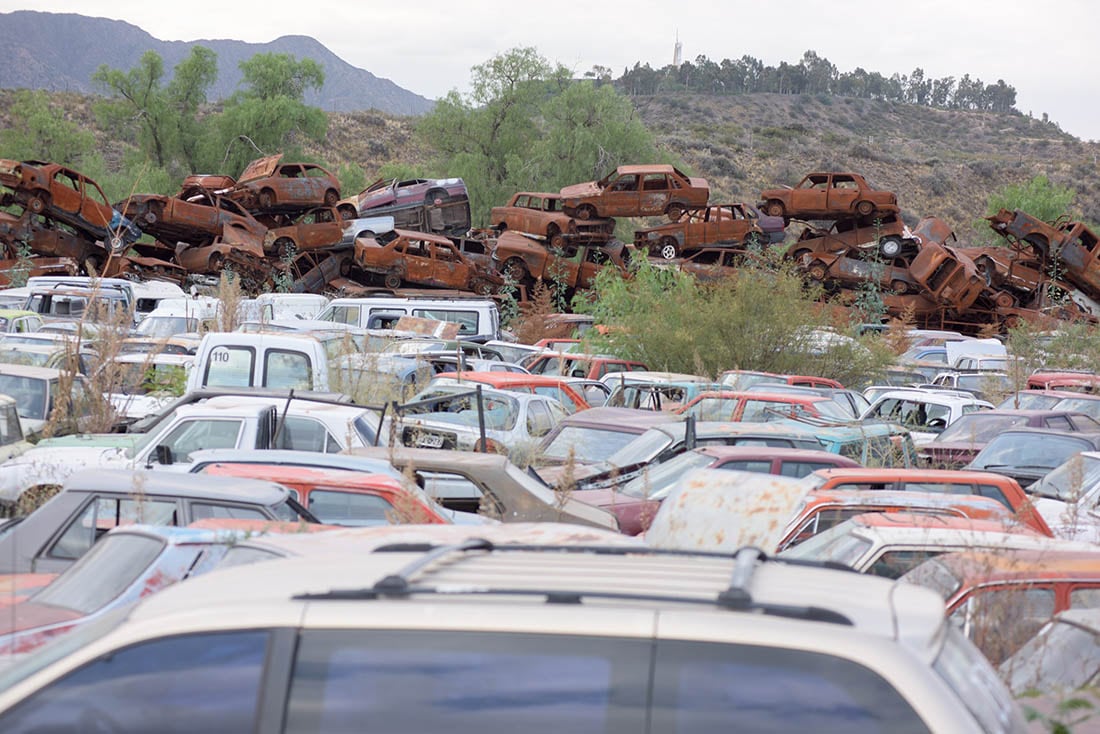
924	413
1068	498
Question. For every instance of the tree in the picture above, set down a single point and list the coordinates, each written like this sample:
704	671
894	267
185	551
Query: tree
268	115
526	124
760	319
37	132
1038	197
165	115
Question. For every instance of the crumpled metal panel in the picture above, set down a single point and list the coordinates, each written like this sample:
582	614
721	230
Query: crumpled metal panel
721	510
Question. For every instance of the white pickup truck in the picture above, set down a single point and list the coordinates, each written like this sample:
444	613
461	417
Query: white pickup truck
228	421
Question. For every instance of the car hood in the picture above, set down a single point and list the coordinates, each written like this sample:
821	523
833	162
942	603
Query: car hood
584	189
16	587
260	168
1066	520
53	465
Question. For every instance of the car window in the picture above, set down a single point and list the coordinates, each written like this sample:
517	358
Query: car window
287	369
103	573
229	366
703	687
1085	597
104	513
1001	620
184	684
892	564
762	466
211	510
538	419
467	683
799	469
1059	422
351	508
305	434
202	433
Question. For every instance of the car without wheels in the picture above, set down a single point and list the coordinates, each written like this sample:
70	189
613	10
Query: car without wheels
403	256
540	215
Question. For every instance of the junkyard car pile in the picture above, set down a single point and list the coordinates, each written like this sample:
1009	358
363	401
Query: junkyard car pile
384	505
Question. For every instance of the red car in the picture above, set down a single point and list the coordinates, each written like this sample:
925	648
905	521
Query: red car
558	388
339	497
268	184
760	406
636	502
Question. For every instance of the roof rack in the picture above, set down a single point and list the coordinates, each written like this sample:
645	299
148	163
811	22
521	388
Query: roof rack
735	597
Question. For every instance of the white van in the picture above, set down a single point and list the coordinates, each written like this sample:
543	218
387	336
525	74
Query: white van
279	306
150	294
272	360
181	316
476	317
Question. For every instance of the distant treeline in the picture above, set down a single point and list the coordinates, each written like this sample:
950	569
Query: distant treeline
813	75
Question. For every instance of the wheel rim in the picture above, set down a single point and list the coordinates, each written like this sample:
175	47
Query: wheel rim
675	211
585	212
817	270
37	205
331	197
865	207
668	250
775	209
891	248
392	280
515	270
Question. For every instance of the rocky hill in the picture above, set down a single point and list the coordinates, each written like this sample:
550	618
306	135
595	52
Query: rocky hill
61	51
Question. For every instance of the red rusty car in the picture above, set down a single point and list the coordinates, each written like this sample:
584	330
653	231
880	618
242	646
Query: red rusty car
1001	599
828	195
1003	489
270	185
559	388
636	502
66	196
540	215
575	265
423	259
340	497
636	191
197	221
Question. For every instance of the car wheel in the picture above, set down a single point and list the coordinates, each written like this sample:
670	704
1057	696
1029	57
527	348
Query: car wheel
864	208
347	213
554	237
586	212
515	270
817	270
267	199
483	288
891	247
37	205
674	211
799	254
900	287
392	280
435	197
283	246
668	248
775	208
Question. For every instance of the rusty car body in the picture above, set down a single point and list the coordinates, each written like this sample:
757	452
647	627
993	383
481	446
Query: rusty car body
947	275
197	221
837	269
718	224
714	263
205	183
270	185
540	215
859	233
69	197
637	191
422	258
576	265
320	228
1072	244
43	236
828	195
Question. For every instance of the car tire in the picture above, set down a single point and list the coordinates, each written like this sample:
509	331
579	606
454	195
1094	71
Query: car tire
775	208
674	211
392	280
669	248
586	212
865	208
267	199
37	205
891	247
515	270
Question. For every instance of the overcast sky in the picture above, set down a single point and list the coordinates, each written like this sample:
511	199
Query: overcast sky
1046	50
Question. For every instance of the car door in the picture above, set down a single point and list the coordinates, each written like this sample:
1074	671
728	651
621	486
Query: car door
843	192
655	194
620	198
419	265
811	194
319	228
448	267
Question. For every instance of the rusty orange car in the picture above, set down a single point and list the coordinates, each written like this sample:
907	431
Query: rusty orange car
574	265
725	224
270	185
540	215
1003	489
196	221
828	195
637	191
401	256
66	196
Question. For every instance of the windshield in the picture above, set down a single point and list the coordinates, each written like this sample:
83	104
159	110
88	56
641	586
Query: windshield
162	327
1032	401
144	378
1061	657
642	449
1073	479
29	394
967	672
979	428
837	544
106	571
500	412
1088	406
586	445
656	482
1025	450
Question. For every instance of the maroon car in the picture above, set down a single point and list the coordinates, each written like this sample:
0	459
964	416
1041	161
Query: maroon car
636	502
961	441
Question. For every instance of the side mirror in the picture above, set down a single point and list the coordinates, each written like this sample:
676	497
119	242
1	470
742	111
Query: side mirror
163	455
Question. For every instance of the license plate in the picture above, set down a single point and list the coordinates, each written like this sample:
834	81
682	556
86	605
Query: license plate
429	441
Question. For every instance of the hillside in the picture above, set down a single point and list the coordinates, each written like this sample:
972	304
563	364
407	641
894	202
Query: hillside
61	51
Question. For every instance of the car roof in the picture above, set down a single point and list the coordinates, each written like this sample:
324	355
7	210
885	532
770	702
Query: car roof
288	457
883	474
505	379
775	452
903	498
188	486
38	373
1074	560
264	593
628	420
